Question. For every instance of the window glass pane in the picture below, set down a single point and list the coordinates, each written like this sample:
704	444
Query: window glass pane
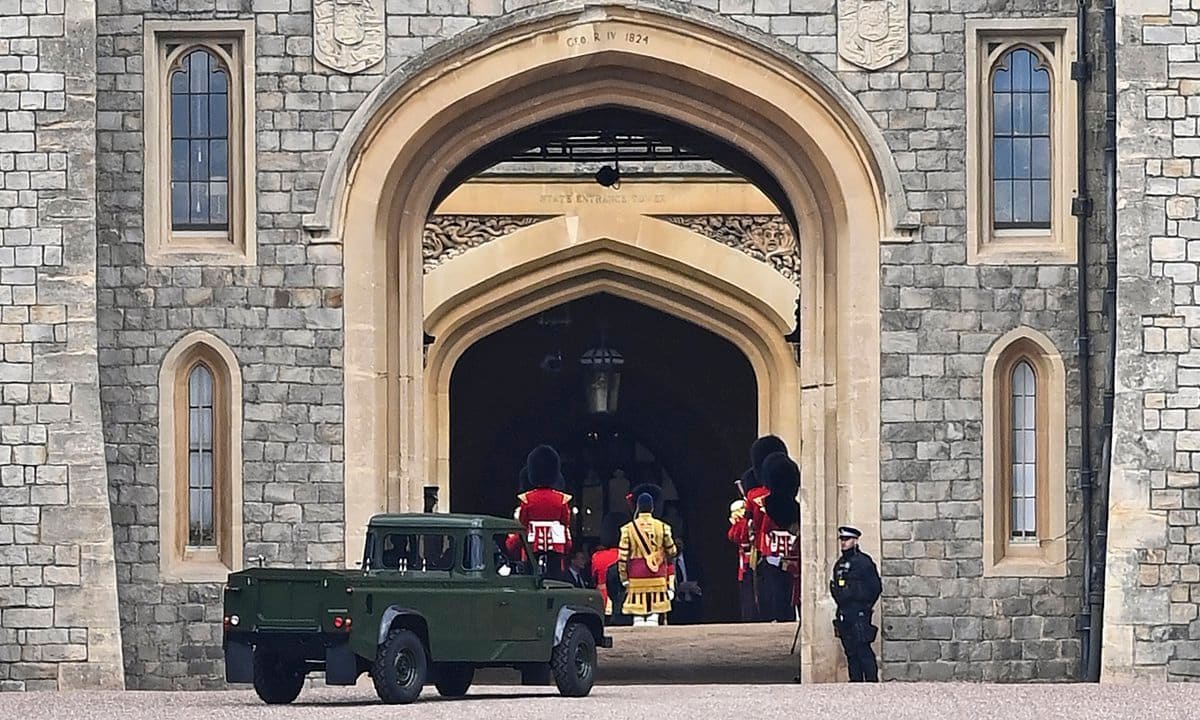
200	122
200	457
1021	140
1002	201
473	553
409	552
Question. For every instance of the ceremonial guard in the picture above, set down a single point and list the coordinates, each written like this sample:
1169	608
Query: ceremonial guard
545	511
771	542
740	535
781	525
856	587
645	559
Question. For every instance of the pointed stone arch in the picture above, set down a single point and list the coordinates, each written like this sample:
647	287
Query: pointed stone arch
784	113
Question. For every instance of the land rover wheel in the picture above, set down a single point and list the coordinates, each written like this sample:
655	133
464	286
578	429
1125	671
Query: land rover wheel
574	661
277	680
401	666
454	679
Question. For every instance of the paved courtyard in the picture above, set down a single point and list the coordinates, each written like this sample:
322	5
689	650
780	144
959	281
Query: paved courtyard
889	701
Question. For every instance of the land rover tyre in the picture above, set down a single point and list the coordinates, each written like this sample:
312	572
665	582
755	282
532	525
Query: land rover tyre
454	679
401	666
573	661
276	679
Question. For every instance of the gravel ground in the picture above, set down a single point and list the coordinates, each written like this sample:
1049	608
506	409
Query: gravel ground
888	701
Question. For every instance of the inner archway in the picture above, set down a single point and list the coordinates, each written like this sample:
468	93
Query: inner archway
686	413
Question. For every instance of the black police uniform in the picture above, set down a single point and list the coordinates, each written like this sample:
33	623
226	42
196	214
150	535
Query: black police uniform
856	587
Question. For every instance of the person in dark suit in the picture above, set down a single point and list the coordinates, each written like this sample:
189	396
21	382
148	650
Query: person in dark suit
687	607
577	572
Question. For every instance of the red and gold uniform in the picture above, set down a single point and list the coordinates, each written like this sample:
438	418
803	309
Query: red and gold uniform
739	535
645	560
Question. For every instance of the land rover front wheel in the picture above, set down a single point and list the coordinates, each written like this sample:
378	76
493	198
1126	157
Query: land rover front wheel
277	680
574	661
401	666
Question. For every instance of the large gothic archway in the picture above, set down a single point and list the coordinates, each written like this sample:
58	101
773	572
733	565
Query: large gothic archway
789	115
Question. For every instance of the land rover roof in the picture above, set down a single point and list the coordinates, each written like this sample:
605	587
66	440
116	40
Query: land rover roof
444	521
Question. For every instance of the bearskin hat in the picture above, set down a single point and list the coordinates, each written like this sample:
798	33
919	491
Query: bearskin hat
762	447
655	493
783	480
610	528
750	480
544	467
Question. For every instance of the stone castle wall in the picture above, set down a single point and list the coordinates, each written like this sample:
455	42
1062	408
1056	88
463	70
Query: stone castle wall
282	317
58	594
1152	598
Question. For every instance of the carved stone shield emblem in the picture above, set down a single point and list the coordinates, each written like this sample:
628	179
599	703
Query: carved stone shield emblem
348	35
872	33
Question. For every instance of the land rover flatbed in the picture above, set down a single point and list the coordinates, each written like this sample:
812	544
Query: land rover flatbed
437	596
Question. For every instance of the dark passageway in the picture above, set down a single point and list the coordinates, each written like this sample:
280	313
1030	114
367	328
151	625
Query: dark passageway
686	413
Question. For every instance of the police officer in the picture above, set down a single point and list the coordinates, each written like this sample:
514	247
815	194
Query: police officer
856	587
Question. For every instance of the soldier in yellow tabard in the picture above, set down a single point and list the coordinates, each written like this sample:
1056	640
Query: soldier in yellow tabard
645	558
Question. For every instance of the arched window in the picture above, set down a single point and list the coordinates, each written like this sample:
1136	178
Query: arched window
1023	477
200	120
1021	141
199	115
1024	449
200	487
201	429
1022	191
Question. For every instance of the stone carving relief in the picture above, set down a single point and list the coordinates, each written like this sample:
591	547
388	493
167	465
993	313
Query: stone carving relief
348	35
446	236
768	238
872	33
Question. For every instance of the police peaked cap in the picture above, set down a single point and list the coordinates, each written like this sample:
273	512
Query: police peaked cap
845	531
782	478
762	447
545	469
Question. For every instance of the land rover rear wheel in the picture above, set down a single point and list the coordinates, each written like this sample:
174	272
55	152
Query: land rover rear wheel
401	667
277	680
454	679
574	661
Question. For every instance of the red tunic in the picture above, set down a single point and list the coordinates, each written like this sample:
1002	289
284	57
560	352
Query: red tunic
601	561
546	515
739	534
754	507
770	539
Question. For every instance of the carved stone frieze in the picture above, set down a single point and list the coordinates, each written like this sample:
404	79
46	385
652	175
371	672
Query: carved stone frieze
349	35
872	33
768	238
448	235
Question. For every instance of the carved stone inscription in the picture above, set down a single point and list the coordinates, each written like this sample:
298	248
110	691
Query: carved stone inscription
348	35
872	33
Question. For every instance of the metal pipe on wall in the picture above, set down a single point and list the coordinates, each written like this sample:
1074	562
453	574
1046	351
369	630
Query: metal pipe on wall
1081	208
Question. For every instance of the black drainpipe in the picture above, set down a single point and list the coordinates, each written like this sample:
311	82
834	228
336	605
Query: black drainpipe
1100	535
1081	207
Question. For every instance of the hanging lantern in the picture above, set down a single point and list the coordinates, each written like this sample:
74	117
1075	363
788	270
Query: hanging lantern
602	378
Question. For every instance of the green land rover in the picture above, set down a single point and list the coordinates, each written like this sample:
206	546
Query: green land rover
437	596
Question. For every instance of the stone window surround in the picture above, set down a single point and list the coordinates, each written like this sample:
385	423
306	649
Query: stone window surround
1048	556
177	561
986	245
164	246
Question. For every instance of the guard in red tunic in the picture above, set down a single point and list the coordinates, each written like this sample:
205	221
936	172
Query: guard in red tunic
739	535
774	586
545	511
777	541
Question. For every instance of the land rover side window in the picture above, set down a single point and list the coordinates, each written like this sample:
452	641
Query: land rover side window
368	551
417	552
473	557
509	552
